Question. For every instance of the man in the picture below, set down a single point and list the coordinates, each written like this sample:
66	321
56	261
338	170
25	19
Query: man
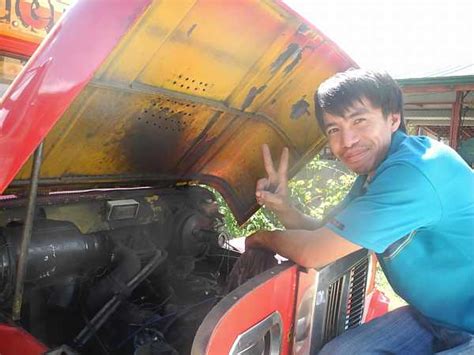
412	204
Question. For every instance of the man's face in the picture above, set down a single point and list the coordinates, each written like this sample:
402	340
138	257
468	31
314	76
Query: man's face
360	139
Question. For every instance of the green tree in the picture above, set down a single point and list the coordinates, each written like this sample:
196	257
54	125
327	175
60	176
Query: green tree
318	187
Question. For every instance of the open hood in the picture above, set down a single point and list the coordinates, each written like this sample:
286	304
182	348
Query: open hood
163	92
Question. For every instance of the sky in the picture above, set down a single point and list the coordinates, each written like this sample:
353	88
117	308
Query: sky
407	38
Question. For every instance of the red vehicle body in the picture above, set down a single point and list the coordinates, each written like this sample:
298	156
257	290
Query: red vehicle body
284	310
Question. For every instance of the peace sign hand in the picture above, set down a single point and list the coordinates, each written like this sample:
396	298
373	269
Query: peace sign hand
272	191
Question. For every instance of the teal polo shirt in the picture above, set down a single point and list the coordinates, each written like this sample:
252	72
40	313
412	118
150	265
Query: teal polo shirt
417	214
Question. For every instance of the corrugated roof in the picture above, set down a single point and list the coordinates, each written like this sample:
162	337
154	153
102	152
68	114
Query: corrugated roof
440	80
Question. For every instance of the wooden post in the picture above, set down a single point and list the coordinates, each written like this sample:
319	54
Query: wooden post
455	121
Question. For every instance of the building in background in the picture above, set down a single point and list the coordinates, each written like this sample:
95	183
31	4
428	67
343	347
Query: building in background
442	108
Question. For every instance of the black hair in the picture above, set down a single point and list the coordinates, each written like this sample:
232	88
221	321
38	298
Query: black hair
338	93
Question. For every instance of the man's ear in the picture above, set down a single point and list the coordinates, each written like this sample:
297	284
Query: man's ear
395	120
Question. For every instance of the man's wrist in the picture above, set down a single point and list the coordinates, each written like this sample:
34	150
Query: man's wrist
260	239
290	216
286	209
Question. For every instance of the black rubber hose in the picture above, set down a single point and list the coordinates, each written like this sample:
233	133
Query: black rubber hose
128	265
106	311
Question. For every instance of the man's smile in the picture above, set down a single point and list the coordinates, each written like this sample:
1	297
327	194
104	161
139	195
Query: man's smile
355	154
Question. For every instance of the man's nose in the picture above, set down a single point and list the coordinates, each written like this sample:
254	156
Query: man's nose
349	137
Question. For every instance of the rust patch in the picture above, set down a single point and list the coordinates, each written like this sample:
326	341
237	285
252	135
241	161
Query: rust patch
191	29
283	57
299	109
254	91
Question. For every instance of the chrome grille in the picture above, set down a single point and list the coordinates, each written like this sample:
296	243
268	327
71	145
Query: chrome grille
355	301
339	297
333	309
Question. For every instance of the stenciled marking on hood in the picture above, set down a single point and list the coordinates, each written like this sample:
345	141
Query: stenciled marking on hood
297	58
299	109
253	92
294	52
293	48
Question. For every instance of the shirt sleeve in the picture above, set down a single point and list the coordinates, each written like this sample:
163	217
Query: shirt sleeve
398	201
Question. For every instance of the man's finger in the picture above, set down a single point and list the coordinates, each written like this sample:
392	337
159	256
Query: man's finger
268	198
268	161
262	184
283	166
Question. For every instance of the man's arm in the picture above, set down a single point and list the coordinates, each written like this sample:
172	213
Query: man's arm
306	248
292	218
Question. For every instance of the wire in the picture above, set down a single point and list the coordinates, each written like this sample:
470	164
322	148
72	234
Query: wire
152	320
109	308
96	336
225	256
448	70
231	246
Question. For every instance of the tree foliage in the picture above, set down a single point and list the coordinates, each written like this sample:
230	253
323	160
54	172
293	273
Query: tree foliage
321	185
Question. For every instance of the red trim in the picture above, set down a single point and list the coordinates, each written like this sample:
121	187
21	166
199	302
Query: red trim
16	46
350	62
276	294
430	131
305	288
15	340
377	305
65	62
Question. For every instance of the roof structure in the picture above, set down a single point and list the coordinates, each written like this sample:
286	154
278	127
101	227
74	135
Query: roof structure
442	107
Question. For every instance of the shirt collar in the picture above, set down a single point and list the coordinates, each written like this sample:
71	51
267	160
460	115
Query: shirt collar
397	138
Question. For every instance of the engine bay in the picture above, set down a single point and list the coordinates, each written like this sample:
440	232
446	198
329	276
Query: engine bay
119	271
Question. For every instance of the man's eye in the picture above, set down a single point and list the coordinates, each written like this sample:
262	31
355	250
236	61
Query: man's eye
332	131
359	120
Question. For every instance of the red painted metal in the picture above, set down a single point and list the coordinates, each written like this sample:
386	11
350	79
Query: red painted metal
306	285
276	294
455	121
17	47
377	305
56	74
340	53
430	131
14	341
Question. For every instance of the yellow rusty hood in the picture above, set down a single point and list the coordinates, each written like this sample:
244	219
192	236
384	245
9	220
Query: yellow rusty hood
191	93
